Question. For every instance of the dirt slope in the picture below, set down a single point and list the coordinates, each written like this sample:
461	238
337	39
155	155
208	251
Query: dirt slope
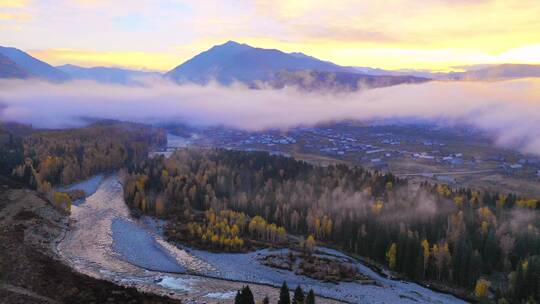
30	271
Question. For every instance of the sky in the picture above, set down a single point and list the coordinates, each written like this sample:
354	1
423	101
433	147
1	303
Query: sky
158	35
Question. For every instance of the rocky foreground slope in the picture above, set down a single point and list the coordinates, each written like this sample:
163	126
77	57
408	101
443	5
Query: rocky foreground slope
30	270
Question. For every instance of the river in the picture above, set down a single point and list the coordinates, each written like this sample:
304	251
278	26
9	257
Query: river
106	242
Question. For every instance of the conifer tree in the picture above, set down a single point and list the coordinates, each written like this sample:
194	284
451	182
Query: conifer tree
244	296
238	299
248	295
284	296
298	297
310	299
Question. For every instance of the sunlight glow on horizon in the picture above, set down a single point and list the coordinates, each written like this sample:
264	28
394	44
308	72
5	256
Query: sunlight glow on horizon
159	35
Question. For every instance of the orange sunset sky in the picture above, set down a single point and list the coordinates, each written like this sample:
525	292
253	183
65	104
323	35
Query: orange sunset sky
160	34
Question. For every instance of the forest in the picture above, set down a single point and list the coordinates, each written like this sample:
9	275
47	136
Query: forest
43	159
467	239
61	157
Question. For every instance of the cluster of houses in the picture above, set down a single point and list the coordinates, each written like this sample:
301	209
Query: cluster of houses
374	149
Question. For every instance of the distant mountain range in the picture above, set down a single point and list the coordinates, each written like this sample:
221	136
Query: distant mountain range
338	81
481	72
256	67
500	71
106	74
15	63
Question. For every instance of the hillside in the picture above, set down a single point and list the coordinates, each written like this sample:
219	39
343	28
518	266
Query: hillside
30	268
9	69
34	67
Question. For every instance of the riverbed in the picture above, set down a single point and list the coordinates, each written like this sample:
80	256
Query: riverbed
106	242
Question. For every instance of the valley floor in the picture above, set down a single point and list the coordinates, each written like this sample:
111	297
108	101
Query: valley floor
106	242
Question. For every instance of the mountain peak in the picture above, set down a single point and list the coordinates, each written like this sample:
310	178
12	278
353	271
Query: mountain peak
232	46
68	65
233	43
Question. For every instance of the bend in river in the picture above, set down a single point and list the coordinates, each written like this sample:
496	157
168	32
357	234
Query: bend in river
106	242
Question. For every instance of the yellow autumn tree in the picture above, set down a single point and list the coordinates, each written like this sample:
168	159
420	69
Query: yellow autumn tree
425	253
501	201
310	243
160	206
62	201
481	288
391	256
377	207
281	234
444	190
458	200
527	203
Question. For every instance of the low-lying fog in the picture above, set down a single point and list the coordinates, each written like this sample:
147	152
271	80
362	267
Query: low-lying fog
510	110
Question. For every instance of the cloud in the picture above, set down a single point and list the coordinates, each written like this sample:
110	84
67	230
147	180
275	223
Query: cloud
433	34
408	24
13	3
13	14
508	110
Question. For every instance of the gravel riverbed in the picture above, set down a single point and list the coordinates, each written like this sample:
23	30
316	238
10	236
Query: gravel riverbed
107	243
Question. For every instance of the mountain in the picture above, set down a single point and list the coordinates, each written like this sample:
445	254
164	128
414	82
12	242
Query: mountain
408	72
34	67
501	71
259	68
373	71
339	81
15	63
475	72
9	69
105	74
234	61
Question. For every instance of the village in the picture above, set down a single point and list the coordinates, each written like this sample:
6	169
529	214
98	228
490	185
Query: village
446	155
